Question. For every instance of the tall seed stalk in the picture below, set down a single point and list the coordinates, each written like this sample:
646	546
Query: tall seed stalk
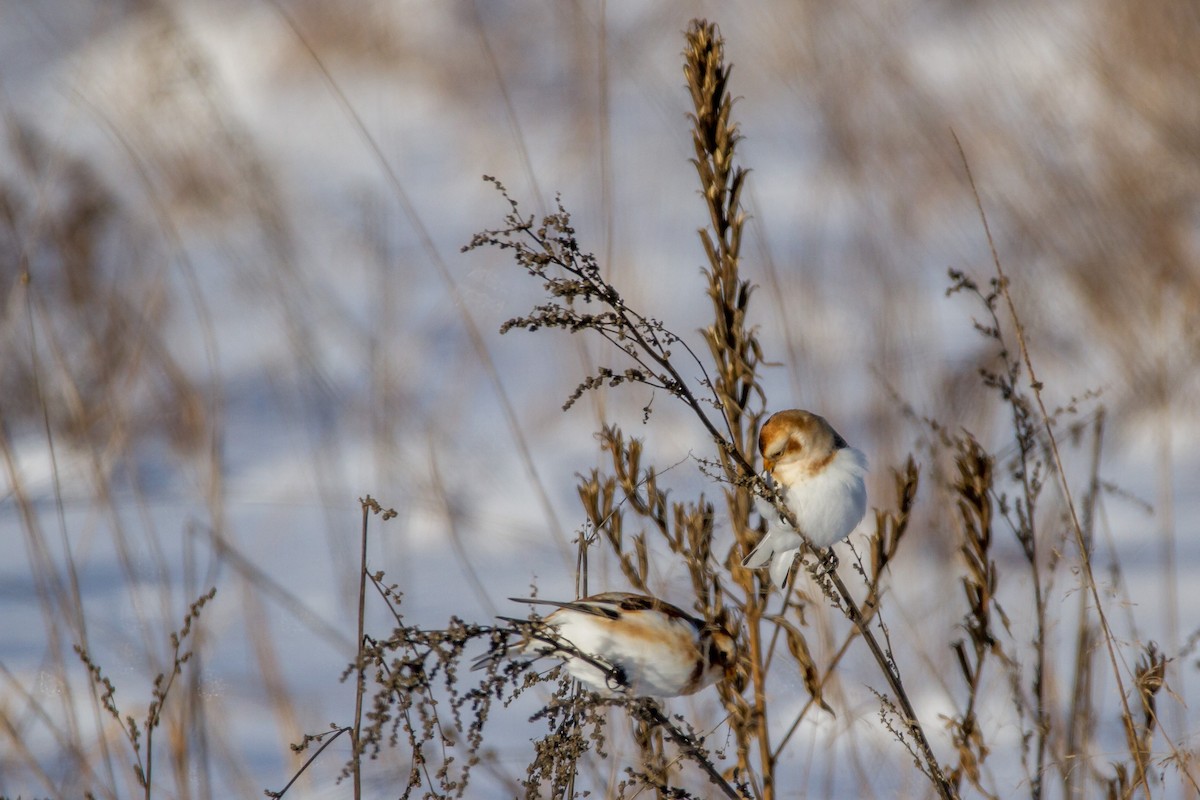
580	297
736	354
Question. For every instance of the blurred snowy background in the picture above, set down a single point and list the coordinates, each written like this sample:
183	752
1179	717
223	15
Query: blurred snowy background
234	303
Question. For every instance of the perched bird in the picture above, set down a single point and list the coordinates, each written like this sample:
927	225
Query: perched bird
820	479
625	644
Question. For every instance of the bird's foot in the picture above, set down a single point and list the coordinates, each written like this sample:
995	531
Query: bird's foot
827	564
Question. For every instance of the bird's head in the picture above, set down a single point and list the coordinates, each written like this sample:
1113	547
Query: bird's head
723	655
797	439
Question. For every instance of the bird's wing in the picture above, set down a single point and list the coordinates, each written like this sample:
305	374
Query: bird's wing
600	608
610	605
628	601
777	540
781	566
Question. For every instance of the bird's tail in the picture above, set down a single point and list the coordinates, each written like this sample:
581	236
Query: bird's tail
760	556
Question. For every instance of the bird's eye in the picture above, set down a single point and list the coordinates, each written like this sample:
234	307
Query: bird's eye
720	652
792	446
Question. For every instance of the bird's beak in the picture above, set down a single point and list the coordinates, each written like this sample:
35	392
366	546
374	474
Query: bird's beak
768	464
737	676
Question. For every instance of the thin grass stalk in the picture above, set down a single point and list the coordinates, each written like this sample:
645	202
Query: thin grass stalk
214	473
836	590
360	678
736	353
731	343
288	600
67	598
1081	714
1028	536
454	533
475	336
270	669
890	529
1085	560
891	672
67	740
308	762
1164	477
19	746
581	590
510	111
193	732
653	714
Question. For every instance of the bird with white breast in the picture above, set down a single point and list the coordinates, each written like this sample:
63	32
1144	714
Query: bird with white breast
624	644
821	482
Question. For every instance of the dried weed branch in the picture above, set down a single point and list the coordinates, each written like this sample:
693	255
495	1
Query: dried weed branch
974	488
1038	463
421	702
581	299
133	728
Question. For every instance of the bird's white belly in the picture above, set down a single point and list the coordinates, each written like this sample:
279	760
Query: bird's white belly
658	662
831	503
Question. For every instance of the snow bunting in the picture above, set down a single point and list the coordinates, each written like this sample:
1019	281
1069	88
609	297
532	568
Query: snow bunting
626	644
820	479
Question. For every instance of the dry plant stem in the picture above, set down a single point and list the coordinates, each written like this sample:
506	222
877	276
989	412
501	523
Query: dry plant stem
1076	528
1082	712
653	713
163	683
886	663
1041	712
308	762
510	113
732	344
267	585
836	590
73	600
812	701
736	354
454	533
1029	544
892	673
360	656
682	754
871	604
632	326
19	746
66	741
974	489
581	590
758	681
